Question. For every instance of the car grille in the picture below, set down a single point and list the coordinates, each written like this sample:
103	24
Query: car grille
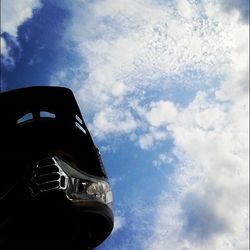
48	176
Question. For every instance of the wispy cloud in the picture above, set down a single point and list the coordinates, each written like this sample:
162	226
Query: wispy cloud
119	223
109	121
209	204
132	48
13	15
136	52
241	6
6	59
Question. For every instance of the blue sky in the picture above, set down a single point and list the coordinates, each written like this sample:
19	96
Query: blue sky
163	88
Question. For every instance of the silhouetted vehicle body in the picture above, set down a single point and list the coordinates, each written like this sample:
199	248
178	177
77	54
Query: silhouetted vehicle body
54	191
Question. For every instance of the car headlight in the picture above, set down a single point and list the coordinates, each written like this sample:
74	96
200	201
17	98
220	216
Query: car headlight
56	174
89	189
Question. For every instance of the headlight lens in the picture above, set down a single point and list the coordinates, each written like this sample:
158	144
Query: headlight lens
54	173
89	189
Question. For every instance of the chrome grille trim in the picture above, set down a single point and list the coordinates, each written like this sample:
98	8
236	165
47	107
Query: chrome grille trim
47	176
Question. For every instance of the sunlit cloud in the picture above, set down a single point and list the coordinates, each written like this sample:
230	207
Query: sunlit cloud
240	6
168	82
119	223
138	51
211	182
12	16
134	47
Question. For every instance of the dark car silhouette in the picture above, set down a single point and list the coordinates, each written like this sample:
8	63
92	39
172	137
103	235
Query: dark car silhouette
54	191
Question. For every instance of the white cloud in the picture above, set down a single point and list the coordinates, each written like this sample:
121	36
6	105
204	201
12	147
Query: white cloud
131	46
134	50
163	159
119	223
239	70
13	14
110	121
148	140
210	205
186	9
6	59
209	208
242	6
161	113
4	49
